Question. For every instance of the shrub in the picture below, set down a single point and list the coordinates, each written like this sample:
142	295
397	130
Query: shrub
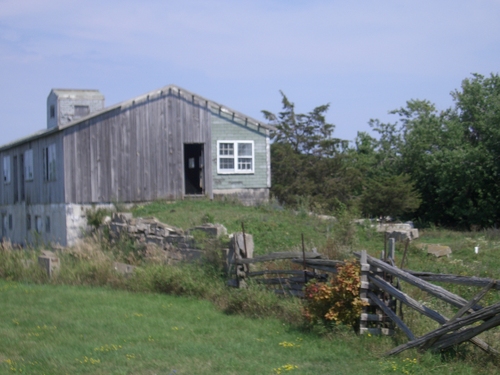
336	301
258	302
95	216
20	265
180	280
87	263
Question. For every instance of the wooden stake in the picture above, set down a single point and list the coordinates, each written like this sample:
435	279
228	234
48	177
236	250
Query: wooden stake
244	239
304	259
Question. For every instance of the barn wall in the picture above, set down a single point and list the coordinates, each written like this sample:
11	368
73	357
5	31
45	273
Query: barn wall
37	190
35	197
135	153
47	223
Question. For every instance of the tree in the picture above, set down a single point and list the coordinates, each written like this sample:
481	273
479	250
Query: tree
452	156
307	161
307	134
389	196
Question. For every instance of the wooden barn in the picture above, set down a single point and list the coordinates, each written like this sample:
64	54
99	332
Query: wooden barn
166	144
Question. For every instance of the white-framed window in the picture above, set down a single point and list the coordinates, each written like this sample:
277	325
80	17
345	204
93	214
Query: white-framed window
28	165
235	157
6	169
49	163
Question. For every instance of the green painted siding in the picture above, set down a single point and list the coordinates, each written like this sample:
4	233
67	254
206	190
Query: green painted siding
224	128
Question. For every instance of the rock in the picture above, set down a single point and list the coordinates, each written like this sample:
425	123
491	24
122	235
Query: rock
436	250
212	230
403	235
124	269
49	263
157	240
121	217
393	227
181	242
48	254
400	232
116	228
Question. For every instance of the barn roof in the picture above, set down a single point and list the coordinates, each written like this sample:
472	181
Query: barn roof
166	90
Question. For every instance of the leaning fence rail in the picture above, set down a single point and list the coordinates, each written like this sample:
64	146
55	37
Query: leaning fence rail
452	331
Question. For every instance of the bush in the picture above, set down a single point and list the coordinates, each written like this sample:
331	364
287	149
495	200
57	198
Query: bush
95	216
258	302
20	265
336	301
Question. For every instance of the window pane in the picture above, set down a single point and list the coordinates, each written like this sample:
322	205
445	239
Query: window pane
226	149
245	163
82	110
226	163
28	165
6	169
38	224
244	149
51	162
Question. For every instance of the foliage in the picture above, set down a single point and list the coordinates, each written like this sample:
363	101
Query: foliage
307	134
452	157
342	235
389	196
307	161
337	300
20	265
95	216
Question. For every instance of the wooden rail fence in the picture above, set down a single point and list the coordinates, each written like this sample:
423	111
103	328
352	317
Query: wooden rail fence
460	328
380	289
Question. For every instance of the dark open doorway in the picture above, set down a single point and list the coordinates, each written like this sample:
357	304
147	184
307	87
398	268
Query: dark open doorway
194	169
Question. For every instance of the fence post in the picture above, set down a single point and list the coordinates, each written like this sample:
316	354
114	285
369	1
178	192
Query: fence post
392	248
363	291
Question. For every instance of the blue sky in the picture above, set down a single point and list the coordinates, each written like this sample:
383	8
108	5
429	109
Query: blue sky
363	57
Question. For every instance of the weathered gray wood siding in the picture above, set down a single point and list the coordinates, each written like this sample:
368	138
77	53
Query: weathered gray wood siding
36	191
225	127
135	153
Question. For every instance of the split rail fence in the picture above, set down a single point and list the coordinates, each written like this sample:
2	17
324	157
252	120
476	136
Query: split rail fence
380	288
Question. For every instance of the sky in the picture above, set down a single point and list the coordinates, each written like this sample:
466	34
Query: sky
363	57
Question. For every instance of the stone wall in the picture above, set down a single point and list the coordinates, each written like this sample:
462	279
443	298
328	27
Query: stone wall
176	243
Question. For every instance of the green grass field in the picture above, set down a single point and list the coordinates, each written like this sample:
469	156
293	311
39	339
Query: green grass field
49	327
81	330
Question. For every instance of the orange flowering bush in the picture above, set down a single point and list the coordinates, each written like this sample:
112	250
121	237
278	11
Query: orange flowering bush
336	301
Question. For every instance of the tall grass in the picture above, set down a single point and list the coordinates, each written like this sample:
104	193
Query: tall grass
90	263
